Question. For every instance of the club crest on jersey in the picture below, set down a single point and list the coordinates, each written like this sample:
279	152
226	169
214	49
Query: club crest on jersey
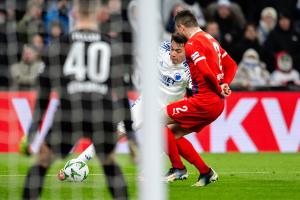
195	55
177	77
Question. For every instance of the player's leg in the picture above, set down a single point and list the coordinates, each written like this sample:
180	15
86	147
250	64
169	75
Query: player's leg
178	170
137	113
188	152
114	176
87	154
105	144
130	133
188	118
124	128
35	176
57	143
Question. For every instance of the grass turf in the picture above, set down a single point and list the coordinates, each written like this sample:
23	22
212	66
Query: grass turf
241	176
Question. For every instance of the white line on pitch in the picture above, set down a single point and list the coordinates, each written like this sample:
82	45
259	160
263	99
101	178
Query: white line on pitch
101	174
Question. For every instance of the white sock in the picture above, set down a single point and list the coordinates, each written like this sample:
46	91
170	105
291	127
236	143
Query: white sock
87	154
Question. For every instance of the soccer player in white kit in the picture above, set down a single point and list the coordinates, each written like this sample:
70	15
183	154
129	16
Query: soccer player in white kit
175	80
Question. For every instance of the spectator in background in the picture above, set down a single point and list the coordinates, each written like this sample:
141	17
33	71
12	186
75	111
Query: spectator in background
24	73
193	6
8	42
3	40
110	19
212	28
170	26
251	72
115	19
283	38
31	23
267	23
37	41
4	79
297	16
196	9
55	32
234	8
59	10
284	73
248	41
231	23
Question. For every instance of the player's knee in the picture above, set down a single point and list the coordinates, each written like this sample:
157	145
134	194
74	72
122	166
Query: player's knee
45	156
107	159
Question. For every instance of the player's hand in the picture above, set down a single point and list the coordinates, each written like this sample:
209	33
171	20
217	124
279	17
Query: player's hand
24	147
226	91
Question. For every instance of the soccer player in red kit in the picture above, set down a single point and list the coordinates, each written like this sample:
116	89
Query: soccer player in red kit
212	70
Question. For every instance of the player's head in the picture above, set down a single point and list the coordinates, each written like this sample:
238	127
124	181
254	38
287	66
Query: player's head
86	9
184	21
177	54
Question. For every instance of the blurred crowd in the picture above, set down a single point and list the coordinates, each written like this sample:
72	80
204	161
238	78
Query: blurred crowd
263	36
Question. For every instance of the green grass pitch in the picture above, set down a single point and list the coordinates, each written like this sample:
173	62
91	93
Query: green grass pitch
241	176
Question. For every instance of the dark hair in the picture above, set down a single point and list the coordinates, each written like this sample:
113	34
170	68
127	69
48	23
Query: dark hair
176	37
186	18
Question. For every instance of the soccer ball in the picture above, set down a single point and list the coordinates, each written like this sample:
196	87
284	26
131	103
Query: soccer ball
76	170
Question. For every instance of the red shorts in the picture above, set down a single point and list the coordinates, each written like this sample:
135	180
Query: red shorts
194	113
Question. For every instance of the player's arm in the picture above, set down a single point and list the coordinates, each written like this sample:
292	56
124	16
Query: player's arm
229	67
199	60
189	83
208	75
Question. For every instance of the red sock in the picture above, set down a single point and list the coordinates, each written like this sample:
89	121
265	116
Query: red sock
173	151
187	151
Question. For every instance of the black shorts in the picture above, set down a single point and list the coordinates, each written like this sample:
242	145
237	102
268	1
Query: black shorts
88	120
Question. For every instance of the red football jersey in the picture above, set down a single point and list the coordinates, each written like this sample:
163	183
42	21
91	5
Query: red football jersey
204	55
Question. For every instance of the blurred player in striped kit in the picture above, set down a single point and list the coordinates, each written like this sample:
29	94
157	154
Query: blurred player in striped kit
85	70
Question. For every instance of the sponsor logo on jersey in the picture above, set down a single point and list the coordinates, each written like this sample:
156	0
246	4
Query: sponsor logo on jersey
167	80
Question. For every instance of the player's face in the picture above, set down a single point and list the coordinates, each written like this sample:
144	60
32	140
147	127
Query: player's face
180	29
177	54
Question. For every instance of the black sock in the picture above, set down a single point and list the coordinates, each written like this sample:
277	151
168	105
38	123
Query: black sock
130	132
116	182
34	182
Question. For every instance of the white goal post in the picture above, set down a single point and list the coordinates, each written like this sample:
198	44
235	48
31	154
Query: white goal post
152	136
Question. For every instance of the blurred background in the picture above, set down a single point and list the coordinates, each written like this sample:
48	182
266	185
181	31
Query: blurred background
262	36
262	114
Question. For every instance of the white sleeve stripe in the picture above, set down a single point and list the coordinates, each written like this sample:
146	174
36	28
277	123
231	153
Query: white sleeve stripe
195	58
198	59
224	54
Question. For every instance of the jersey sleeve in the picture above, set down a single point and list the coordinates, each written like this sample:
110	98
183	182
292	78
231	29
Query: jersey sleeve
189	83
229	66
164	52
199	60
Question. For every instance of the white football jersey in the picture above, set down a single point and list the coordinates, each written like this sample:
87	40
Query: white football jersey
174	78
